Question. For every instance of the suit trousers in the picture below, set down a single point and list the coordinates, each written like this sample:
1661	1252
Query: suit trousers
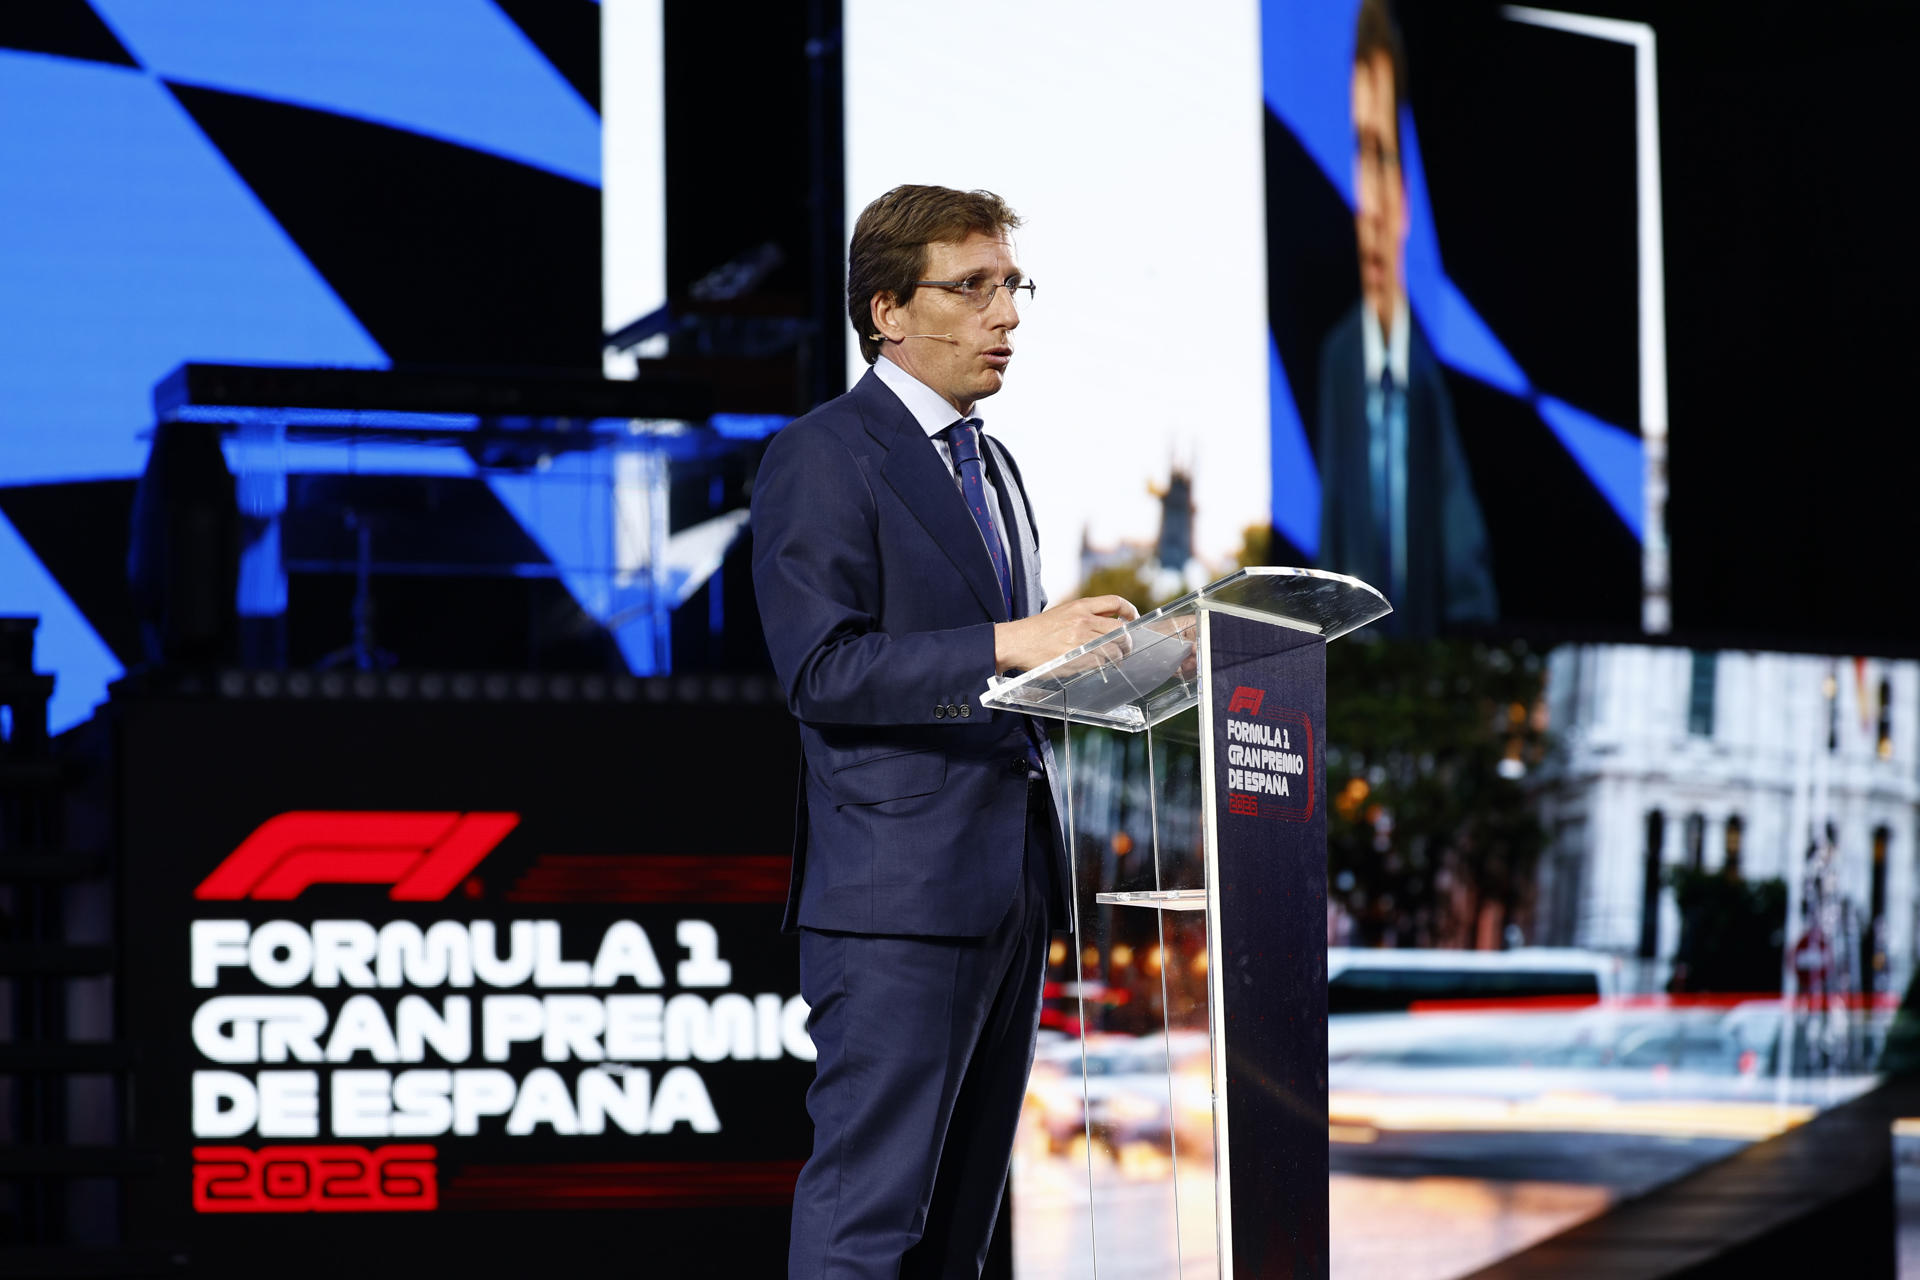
924	1047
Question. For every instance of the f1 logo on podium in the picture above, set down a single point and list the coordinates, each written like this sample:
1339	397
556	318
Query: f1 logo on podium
1269	758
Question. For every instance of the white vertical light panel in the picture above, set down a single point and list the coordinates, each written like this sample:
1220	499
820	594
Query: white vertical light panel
633	283
1128	135
633	156
1656	574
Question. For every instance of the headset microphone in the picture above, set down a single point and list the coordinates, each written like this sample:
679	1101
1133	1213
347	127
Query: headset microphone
877	338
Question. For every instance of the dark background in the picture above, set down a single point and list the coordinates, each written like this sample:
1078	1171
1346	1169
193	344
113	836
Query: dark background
632	778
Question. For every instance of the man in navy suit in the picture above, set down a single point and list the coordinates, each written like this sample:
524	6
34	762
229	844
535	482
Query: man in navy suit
897	569
1397	506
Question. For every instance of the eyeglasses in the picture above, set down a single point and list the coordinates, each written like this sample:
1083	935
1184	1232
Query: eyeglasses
978	291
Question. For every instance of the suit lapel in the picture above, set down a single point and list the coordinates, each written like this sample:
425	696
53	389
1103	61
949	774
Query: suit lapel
915	472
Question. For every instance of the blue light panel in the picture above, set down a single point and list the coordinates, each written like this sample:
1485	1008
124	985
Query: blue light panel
130	245
1296	480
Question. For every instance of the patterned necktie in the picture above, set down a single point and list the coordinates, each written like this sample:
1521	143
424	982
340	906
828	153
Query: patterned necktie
963	438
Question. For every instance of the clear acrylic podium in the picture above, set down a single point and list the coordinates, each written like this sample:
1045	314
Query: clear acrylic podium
1194	786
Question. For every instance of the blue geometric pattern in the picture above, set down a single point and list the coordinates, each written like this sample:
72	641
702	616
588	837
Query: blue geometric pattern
458	70
1306	48
66	643
1613	459
1296	482
129	244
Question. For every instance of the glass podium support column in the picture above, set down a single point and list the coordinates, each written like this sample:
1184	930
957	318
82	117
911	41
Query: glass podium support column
1196	829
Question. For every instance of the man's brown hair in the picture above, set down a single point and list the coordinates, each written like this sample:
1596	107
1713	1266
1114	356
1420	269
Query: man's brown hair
889	249
1375	33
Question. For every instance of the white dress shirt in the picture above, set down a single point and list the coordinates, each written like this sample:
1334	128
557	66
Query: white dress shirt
931	410
1386	351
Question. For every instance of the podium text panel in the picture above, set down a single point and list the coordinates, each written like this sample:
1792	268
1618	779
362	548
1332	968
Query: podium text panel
1265	727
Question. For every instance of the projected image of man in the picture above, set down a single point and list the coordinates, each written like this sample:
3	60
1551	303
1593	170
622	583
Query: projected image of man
1397	502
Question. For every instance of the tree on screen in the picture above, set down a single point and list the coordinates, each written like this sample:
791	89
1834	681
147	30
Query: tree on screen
1432	840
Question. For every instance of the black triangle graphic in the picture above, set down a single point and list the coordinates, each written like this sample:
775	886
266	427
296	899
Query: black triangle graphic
567	35
66	28
79	532
447	255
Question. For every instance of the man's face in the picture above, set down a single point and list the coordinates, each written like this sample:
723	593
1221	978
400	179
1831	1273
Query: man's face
1380	211
970	362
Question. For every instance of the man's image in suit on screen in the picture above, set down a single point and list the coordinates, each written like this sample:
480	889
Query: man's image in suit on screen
897	569
1397	507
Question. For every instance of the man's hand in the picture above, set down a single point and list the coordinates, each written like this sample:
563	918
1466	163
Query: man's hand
1031	641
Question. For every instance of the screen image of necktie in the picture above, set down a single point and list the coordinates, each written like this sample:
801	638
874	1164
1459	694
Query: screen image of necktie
963	438
1393	409
1387	486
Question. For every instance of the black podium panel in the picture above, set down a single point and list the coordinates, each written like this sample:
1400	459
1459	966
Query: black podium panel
481	987
1266	718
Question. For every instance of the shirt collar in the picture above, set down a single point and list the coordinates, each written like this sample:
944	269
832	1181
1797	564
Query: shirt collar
928	407
1386	351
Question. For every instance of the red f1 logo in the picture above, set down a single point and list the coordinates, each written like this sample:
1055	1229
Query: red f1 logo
1245	699
422	855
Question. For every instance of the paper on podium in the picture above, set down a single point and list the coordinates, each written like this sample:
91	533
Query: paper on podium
1145	671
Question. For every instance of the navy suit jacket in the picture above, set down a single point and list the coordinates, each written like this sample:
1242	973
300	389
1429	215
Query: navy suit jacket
1449	577
878	600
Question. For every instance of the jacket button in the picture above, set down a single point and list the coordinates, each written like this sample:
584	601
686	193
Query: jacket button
1017	765
938	711
953	710
966	709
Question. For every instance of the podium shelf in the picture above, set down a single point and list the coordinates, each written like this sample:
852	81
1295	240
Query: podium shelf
1145	671
1157	899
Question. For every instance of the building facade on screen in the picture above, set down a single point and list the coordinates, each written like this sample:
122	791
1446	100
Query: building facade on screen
1726	761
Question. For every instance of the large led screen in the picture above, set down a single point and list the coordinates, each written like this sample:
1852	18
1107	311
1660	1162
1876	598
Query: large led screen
1626	268
1466	297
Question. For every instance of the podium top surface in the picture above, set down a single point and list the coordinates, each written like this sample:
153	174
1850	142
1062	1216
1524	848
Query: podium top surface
1146	670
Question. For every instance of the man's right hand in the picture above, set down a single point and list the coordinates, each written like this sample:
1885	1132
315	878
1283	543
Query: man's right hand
1029	642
